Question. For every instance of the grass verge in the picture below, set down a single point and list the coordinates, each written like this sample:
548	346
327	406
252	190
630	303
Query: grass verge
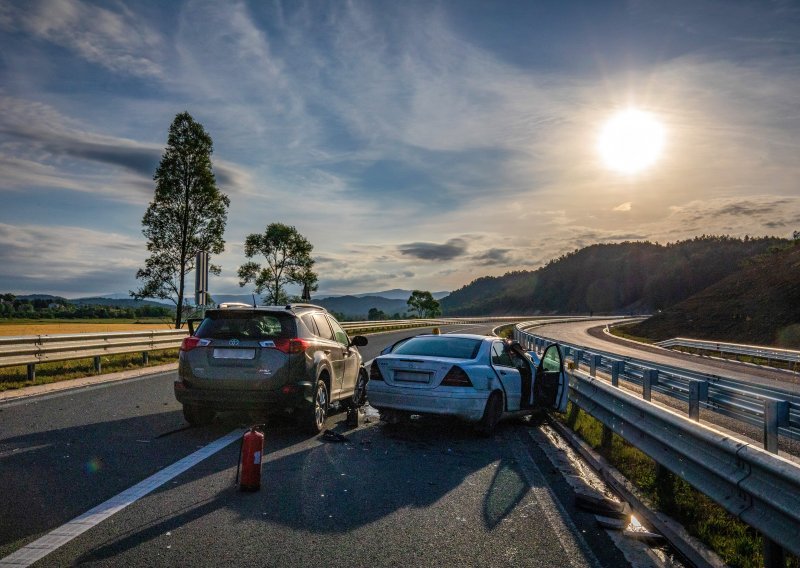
46	373
619	331
739	545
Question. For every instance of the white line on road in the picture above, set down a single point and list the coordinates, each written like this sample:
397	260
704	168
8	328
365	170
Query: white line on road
40	548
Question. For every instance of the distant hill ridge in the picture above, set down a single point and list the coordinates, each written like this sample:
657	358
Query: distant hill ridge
623	278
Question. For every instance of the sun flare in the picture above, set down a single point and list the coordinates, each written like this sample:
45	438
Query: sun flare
631	141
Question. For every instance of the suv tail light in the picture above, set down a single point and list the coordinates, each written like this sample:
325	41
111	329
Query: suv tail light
191	342
375	372
456	377
291	346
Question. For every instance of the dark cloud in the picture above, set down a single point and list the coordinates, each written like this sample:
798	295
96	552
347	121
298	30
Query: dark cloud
90	283
432	251
748	208
494	257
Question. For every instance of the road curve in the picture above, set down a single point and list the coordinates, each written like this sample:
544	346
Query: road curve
590	334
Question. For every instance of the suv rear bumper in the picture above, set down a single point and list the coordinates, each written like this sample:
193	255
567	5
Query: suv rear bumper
299	395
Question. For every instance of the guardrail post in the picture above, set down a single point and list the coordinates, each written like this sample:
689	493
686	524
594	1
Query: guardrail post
776	414
577	354
145	357
698	391
649	378
97	366
617	368
31	372
594	361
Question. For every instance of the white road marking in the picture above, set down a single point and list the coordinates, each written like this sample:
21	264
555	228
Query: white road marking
56	538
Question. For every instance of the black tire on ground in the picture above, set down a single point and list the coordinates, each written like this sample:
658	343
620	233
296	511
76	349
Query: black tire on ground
360	394
491	414
312	419
197	415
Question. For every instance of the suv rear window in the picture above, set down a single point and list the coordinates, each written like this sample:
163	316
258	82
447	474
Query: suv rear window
246	325
438	346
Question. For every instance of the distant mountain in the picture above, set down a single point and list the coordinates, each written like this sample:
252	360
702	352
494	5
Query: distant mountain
397	294
623	278
759	304
117	302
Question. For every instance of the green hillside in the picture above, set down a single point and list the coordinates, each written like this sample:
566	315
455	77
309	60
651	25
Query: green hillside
759	304
623	278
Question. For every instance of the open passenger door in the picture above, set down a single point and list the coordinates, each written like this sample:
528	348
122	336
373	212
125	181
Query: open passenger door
551	386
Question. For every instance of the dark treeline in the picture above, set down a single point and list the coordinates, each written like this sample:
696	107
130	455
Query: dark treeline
61	308
629	277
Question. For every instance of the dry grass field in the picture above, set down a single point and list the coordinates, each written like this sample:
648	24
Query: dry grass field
14	328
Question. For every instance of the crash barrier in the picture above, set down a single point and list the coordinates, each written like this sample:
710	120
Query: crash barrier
767	353
756	485
773	408
32	350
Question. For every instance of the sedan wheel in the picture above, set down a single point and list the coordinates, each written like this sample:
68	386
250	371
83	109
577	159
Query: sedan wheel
491	415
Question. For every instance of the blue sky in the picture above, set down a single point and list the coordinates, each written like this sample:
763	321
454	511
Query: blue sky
416	144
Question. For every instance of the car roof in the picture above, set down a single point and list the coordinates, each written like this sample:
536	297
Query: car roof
458	335
289	308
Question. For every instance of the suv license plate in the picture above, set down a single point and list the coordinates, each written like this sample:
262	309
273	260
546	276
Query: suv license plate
234	353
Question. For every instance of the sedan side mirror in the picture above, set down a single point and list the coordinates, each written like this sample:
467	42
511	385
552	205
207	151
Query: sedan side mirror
359	341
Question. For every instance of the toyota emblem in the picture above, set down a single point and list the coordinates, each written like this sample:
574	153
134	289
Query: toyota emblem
233	342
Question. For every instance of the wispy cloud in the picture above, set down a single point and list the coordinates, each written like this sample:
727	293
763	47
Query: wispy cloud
115	38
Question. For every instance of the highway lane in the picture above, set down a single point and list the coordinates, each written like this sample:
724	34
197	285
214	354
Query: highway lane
422	494
589	334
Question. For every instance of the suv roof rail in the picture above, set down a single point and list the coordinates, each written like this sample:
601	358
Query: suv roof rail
293	306
227	305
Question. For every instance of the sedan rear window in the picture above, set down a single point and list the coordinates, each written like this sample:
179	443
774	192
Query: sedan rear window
440	346
246	325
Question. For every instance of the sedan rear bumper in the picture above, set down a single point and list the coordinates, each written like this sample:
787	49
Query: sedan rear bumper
464	403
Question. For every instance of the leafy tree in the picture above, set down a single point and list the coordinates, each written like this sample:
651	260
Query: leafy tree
187	214
288	261
376	314
423	303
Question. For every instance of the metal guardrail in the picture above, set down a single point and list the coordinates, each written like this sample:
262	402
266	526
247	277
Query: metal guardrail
773	408
33	350
768	353
756	485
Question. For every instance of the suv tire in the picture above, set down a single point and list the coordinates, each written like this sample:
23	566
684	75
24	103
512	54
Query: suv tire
359	394
313	418
197	415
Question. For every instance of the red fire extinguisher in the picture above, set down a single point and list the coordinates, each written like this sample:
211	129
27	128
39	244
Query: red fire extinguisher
250	453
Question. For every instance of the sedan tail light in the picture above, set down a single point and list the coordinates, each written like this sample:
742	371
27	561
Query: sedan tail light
375	372
456	377
291	346
191	342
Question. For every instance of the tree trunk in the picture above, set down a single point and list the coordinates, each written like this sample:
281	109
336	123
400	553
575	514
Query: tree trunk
180	305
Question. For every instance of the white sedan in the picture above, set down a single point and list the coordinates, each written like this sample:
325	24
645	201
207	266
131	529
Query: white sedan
480	379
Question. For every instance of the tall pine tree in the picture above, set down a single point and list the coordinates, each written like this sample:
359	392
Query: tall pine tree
187	215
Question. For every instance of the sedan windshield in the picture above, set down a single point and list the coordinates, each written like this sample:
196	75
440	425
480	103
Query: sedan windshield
440	346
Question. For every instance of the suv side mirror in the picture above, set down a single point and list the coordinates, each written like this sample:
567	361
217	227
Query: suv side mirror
359	341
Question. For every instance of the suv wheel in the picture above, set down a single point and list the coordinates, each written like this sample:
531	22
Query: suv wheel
313	419
197	415
359	394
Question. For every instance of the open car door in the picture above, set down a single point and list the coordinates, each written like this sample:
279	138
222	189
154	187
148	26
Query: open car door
551	386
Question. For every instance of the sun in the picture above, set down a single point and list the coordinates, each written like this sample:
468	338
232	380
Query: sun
631	141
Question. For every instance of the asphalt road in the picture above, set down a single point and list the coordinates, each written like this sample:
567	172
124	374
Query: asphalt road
425	494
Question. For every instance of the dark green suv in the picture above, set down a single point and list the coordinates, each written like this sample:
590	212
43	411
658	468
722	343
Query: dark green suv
293	360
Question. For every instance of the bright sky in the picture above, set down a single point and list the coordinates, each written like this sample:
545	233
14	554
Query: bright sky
416	144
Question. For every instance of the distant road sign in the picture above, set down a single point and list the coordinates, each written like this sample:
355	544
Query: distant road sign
201	278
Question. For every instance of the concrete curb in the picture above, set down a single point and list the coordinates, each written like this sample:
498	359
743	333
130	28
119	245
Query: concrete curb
37	390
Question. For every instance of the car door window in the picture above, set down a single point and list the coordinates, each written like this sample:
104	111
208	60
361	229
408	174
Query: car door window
309	321
500	356
323	326
338	333
551	362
